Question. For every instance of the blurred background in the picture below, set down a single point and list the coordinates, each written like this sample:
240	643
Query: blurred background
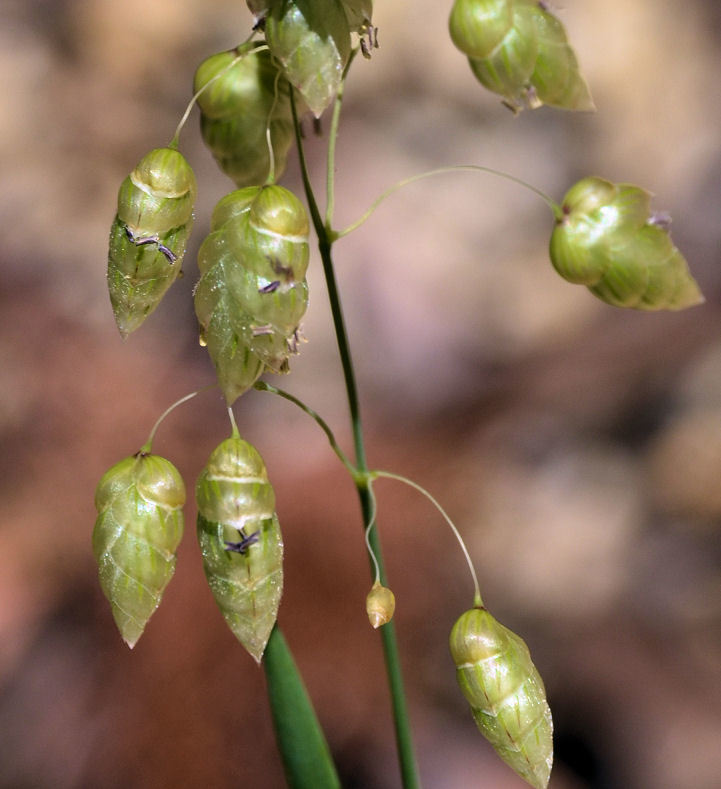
577	446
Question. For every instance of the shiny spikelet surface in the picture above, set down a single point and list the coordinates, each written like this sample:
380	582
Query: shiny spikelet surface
236	503
136	536
608	239
149	235
252	292
507	697
237	108
520	50
311	39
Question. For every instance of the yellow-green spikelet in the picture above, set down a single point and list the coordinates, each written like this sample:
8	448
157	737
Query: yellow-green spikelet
607	239
236	502
506	693
149	235
136	536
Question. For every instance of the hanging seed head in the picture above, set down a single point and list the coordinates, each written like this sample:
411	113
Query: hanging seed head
239	107
240	541
311	40
518	49
149	235
252	291
136	536
506	694
608	240
380	605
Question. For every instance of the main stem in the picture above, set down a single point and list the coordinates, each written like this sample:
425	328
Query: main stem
404	742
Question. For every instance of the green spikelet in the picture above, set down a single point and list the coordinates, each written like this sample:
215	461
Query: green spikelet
359	14
556	79
238	108
608	240
137	532
311	40
149	235
477	27
240	541
518	49
252	291
506	694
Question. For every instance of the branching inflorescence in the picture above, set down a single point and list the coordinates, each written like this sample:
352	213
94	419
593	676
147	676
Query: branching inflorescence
250	299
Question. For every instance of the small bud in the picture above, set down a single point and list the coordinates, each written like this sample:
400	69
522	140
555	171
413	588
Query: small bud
380	605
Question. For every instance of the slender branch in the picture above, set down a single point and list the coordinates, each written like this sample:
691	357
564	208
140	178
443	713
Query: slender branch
557	211
332	138
477	601
263	386
404	744
147	446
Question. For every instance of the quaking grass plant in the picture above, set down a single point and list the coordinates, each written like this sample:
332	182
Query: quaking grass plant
250	300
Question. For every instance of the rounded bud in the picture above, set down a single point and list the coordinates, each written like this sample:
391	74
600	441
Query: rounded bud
380	605
240	541
607	239
506	694
136	536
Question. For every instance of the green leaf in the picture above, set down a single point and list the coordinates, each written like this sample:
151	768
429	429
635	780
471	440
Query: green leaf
136	536
306	757
149	235
236	507
311	40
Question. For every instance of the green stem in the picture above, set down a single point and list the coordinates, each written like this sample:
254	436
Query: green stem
404	744
332	138
557	211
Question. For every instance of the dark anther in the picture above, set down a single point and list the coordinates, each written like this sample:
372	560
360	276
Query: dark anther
245	543
172	257
270	287
145	240
317	127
